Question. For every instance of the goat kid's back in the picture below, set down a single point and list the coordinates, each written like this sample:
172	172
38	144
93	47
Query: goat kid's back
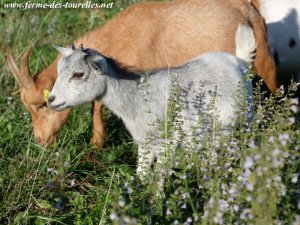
215	77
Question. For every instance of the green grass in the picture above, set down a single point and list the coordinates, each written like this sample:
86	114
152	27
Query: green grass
249	177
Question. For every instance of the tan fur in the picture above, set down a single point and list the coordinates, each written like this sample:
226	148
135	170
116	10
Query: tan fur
255	3
148	36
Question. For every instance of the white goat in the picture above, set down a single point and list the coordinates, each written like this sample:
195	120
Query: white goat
85	75
283	26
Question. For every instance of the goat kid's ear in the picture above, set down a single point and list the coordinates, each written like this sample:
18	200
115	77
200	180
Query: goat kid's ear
98	63
64	51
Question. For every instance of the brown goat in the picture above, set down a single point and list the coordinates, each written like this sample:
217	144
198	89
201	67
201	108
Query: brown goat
148	36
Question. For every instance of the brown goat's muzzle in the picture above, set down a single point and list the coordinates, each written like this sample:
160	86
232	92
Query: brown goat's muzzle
48	124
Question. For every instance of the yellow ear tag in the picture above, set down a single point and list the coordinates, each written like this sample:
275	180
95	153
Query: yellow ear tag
46	94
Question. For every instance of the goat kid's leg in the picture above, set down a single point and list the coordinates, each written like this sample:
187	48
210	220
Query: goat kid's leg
160	172
97	140
156	177
145	160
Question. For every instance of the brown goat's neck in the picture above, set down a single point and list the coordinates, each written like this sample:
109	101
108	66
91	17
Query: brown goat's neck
46	78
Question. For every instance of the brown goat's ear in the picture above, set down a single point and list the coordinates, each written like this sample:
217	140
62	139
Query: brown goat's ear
22	75
81	47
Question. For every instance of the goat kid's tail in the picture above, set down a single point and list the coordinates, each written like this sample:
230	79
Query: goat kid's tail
245	43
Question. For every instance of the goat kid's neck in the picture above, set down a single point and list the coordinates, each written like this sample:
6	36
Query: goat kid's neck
120	96
129	100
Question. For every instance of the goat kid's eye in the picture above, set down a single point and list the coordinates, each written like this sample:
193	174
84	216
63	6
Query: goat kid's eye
94	66
77	75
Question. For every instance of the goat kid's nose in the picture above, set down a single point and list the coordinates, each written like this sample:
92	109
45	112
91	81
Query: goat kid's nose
51	98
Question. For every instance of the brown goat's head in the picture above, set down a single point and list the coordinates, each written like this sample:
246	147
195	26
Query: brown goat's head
46	122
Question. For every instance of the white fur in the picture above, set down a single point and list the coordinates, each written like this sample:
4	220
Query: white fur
283	23
245	43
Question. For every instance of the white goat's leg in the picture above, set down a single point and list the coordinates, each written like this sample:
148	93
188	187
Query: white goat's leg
164	156
145	159
160	171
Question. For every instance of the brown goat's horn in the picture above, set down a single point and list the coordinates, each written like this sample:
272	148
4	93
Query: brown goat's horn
12	64
22	76
25	62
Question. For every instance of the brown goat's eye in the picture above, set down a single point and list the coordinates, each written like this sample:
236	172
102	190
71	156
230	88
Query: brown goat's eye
40	107
77	75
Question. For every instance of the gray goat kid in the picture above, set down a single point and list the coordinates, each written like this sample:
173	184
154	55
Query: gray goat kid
85	75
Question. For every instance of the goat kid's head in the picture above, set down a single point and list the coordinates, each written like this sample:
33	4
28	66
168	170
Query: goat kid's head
46	122
80	78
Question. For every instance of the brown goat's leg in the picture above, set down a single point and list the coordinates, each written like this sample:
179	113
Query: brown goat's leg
264	64
97	140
